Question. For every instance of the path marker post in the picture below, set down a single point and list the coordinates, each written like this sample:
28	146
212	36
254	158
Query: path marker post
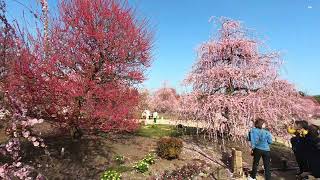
236	164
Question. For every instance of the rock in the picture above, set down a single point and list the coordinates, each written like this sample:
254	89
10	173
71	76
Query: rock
311	177
222	174
203	174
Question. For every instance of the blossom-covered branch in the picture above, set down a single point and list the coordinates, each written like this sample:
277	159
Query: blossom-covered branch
235	81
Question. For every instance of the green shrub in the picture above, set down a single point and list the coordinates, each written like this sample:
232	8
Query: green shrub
149	159
169	147
143	165
111	175
119	159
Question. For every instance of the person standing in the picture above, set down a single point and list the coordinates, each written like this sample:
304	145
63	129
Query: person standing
155	116
313	150
260	140
299	145
147	116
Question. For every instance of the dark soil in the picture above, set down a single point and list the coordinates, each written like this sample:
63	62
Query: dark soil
90	156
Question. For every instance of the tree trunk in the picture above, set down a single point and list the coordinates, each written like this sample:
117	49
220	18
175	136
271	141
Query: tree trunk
76	133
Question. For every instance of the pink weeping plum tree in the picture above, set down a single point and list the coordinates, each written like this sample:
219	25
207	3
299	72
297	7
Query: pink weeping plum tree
235	80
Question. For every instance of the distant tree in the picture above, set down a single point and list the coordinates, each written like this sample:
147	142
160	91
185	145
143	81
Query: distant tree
317	98
144	102
235	81
165	100
144	99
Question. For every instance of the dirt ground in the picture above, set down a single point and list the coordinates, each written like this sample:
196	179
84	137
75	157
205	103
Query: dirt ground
278	154
89	157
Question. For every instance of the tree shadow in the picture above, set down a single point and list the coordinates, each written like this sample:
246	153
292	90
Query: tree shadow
82	159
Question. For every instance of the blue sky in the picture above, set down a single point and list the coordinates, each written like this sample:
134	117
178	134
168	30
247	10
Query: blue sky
180	26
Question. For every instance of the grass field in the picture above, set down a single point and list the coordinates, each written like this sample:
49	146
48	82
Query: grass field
158	130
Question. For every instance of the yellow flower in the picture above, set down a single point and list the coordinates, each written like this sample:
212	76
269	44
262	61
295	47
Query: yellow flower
303	132
291	130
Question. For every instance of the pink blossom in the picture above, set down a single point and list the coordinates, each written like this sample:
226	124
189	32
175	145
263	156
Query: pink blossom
33	139
18	164
235	79
32	122
40	121
36	143
165	100
14	126
22	173
26	134
2	171
24	123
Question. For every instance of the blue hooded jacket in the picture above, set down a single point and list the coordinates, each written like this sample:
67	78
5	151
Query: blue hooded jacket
260	139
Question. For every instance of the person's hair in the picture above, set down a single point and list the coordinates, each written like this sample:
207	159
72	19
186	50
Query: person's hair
259	122
302	123
313	131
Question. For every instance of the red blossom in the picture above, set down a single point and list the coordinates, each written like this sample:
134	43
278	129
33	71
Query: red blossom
87	76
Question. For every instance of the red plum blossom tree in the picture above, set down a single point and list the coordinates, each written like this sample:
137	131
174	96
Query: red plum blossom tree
84	74
81	73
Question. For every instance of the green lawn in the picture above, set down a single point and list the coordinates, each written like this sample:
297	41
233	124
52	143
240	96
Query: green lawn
157	131
161	130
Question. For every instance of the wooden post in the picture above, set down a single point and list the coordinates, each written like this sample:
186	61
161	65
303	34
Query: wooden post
236	165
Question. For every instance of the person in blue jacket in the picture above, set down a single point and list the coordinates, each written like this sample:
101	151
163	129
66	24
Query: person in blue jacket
260	140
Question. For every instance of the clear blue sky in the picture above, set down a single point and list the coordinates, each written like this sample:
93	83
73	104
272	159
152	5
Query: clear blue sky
290	26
